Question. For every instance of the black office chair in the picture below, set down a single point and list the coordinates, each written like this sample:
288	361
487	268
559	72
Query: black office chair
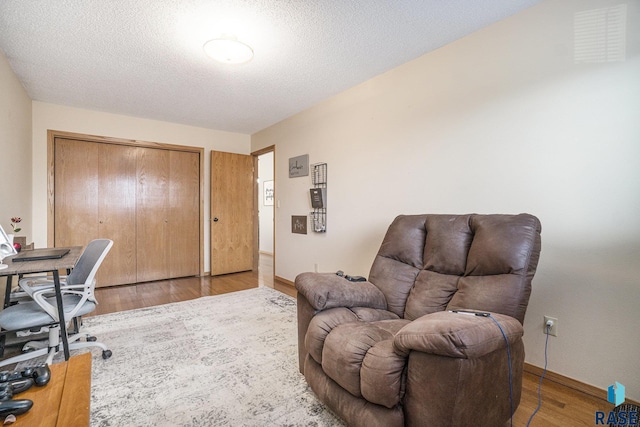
77	298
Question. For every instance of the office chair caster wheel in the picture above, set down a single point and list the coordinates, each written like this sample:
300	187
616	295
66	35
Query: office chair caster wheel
106	354
91	339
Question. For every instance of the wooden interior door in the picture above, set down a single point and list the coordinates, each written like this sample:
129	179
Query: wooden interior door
184	206
231	213
152	214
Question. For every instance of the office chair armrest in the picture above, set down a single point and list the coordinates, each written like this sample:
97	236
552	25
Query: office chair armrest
31	284
42	297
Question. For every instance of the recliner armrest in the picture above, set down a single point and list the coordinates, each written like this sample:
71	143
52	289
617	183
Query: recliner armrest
327	290
457	335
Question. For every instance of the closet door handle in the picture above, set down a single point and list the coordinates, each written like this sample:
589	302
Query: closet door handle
215	219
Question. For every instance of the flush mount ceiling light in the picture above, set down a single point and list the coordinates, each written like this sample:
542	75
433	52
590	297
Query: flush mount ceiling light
228	50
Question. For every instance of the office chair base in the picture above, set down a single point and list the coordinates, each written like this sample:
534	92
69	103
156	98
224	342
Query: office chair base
44	349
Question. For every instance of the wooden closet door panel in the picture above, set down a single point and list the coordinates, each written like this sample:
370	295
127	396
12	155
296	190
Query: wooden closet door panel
184	215
117	213
76	192
152	214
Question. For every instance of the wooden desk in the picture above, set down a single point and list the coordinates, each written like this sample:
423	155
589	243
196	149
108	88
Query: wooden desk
65	401
53	266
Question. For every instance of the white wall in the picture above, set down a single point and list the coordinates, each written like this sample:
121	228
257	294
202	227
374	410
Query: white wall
56	117
266	213
15	151
501	121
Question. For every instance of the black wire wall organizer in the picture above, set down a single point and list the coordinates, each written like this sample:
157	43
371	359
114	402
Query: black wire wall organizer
319	198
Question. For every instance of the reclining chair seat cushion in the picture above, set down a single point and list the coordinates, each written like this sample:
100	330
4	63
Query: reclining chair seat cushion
360	357
324	322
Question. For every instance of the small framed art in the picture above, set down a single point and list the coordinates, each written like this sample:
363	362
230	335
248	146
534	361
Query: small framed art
299	166
299	224
268	193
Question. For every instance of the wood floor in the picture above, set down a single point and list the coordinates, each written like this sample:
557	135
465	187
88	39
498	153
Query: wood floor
128	297
561	405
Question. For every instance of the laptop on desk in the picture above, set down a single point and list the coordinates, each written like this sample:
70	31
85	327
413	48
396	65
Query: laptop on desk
40	254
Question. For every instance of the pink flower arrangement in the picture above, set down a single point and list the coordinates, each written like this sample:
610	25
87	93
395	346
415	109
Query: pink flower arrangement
14	221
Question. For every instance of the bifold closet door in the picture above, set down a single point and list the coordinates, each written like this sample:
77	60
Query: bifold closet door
147	200
117	213
95	198
76	183
184	214
152	214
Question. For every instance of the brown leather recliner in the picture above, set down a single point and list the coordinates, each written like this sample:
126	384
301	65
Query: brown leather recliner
390	351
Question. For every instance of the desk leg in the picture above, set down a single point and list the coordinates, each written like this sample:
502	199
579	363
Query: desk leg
63	322
7	291
7	300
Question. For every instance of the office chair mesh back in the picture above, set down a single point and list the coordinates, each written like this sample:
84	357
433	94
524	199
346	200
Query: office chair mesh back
89	262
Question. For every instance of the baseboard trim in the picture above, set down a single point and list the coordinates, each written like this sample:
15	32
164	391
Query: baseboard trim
284	281
587	389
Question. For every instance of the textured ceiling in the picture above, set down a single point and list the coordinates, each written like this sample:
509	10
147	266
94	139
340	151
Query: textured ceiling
144	58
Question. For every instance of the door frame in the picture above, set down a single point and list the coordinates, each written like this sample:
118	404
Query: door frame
53	134
256	206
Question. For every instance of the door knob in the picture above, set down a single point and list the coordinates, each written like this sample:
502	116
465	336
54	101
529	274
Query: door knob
215	219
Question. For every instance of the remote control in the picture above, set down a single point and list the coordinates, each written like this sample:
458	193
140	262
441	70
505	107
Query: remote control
340	273
471	313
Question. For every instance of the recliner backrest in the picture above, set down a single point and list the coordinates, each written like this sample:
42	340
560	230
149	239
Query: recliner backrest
430	263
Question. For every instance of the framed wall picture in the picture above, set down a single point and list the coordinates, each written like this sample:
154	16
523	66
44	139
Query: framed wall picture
299	166
268	193
299	224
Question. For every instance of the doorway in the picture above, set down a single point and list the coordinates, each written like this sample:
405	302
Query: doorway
266	203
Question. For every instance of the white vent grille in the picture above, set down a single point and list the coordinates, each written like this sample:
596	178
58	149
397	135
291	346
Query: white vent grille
600	35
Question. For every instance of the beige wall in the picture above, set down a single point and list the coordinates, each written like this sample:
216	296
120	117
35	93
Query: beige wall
15	150
501	121
57	117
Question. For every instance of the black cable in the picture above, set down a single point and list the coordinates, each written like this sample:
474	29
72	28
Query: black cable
509	361
546	342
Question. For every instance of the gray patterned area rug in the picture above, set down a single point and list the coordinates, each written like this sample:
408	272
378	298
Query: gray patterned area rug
226	360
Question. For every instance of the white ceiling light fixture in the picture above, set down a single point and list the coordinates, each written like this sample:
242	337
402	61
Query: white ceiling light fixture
228	50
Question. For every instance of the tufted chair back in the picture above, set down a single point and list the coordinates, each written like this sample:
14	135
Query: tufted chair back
430	263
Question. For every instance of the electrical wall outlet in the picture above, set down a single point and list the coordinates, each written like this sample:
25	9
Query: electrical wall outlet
316	267
554	327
